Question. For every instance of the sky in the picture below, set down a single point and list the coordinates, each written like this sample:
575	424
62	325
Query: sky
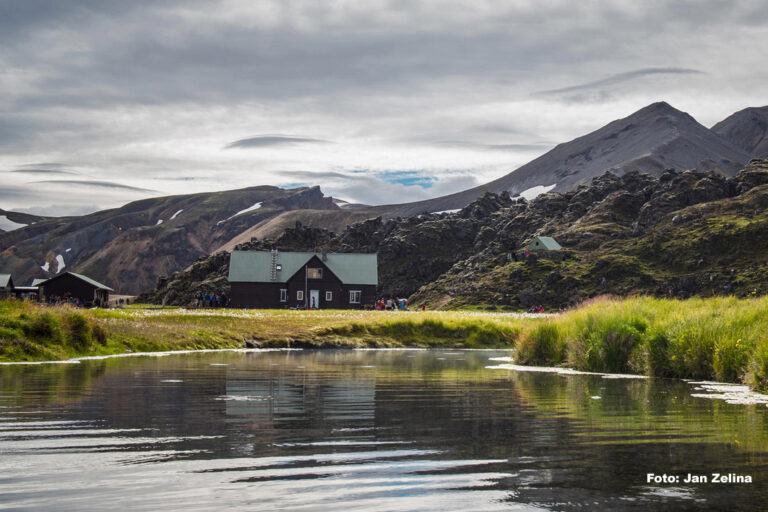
377	101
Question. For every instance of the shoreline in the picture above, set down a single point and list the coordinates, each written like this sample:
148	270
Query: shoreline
714	339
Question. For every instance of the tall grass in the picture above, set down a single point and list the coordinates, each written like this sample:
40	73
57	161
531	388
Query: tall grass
719	338
446	329
30	332
725	339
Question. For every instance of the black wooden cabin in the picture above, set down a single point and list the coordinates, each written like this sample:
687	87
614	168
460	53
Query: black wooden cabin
69	285
262	279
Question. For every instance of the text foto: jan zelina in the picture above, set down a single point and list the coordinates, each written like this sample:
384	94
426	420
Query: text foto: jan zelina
691	478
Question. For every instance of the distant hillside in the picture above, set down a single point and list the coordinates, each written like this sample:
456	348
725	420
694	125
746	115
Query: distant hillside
679	234
10	221
746	129
129	247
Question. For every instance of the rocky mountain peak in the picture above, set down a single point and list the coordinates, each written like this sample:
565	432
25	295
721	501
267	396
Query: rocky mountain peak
747	129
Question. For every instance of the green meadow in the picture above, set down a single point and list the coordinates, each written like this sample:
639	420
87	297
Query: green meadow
724	339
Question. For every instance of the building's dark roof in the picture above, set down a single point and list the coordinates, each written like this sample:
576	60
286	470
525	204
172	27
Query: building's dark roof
87	279
256	266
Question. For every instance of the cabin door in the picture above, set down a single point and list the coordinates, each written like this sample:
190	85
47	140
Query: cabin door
314	299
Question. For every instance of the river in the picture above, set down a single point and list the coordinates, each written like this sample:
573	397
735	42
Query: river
365	430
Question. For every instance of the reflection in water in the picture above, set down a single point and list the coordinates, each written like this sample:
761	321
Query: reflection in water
363	430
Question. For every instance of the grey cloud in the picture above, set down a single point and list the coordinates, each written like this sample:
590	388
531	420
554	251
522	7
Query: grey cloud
16	193
118	84
493	147
97	184
272	140
42	171
42	165
621	78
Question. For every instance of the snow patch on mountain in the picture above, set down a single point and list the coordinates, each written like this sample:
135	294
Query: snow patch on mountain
8	225
533	192
60	262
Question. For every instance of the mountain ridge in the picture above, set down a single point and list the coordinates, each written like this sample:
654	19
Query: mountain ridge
131	246
680	234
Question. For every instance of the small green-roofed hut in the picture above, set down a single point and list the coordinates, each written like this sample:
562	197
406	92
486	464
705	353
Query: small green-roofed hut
544	243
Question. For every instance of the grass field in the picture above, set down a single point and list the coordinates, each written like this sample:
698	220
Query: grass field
146	329
724	339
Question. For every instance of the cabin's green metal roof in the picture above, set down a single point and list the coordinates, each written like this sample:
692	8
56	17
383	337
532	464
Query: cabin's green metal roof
79	276
256	266
545	243
37	282
93	282
5	280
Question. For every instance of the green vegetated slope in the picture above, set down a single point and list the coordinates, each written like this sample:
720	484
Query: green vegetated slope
685	234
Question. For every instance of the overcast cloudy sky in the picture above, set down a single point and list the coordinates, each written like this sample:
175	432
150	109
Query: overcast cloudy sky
105	101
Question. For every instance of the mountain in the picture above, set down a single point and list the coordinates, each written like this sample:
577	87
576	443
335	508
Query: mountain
679	234
746	129
10	221
653	139
129	247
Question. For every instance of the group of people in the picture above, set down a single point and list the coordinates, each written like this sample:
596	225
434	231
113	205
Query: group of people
210	300
58	300
395	305
536	309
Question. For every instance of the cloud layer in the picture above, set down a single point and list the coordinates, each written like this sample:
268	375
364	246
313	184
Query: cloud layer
174	96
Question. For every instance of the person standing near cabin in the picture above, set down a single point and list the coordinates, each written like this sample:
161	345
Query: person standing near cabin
423	306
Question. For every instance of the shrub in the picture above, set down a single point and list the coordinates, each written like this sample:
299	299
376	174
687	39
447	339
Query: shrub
608	342
78	330
730	359
757	369
44	327
99	334
542	345
691	351
657	355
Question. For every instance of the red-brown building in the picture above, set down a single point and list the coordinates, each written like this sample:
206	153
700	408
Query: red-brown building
263	279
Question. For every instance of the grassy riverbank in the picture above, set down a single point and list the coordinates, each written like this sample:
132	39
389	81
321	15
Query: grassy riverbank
140	329
724	339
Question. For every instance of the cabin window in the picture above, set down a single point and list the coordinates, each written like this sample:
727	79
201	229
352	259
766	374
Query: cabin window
314	273
283	295
328	296
354	296
278	267
300	295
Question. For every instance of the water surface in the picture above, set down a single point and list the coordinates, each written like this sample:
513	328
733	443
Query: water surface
364	430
